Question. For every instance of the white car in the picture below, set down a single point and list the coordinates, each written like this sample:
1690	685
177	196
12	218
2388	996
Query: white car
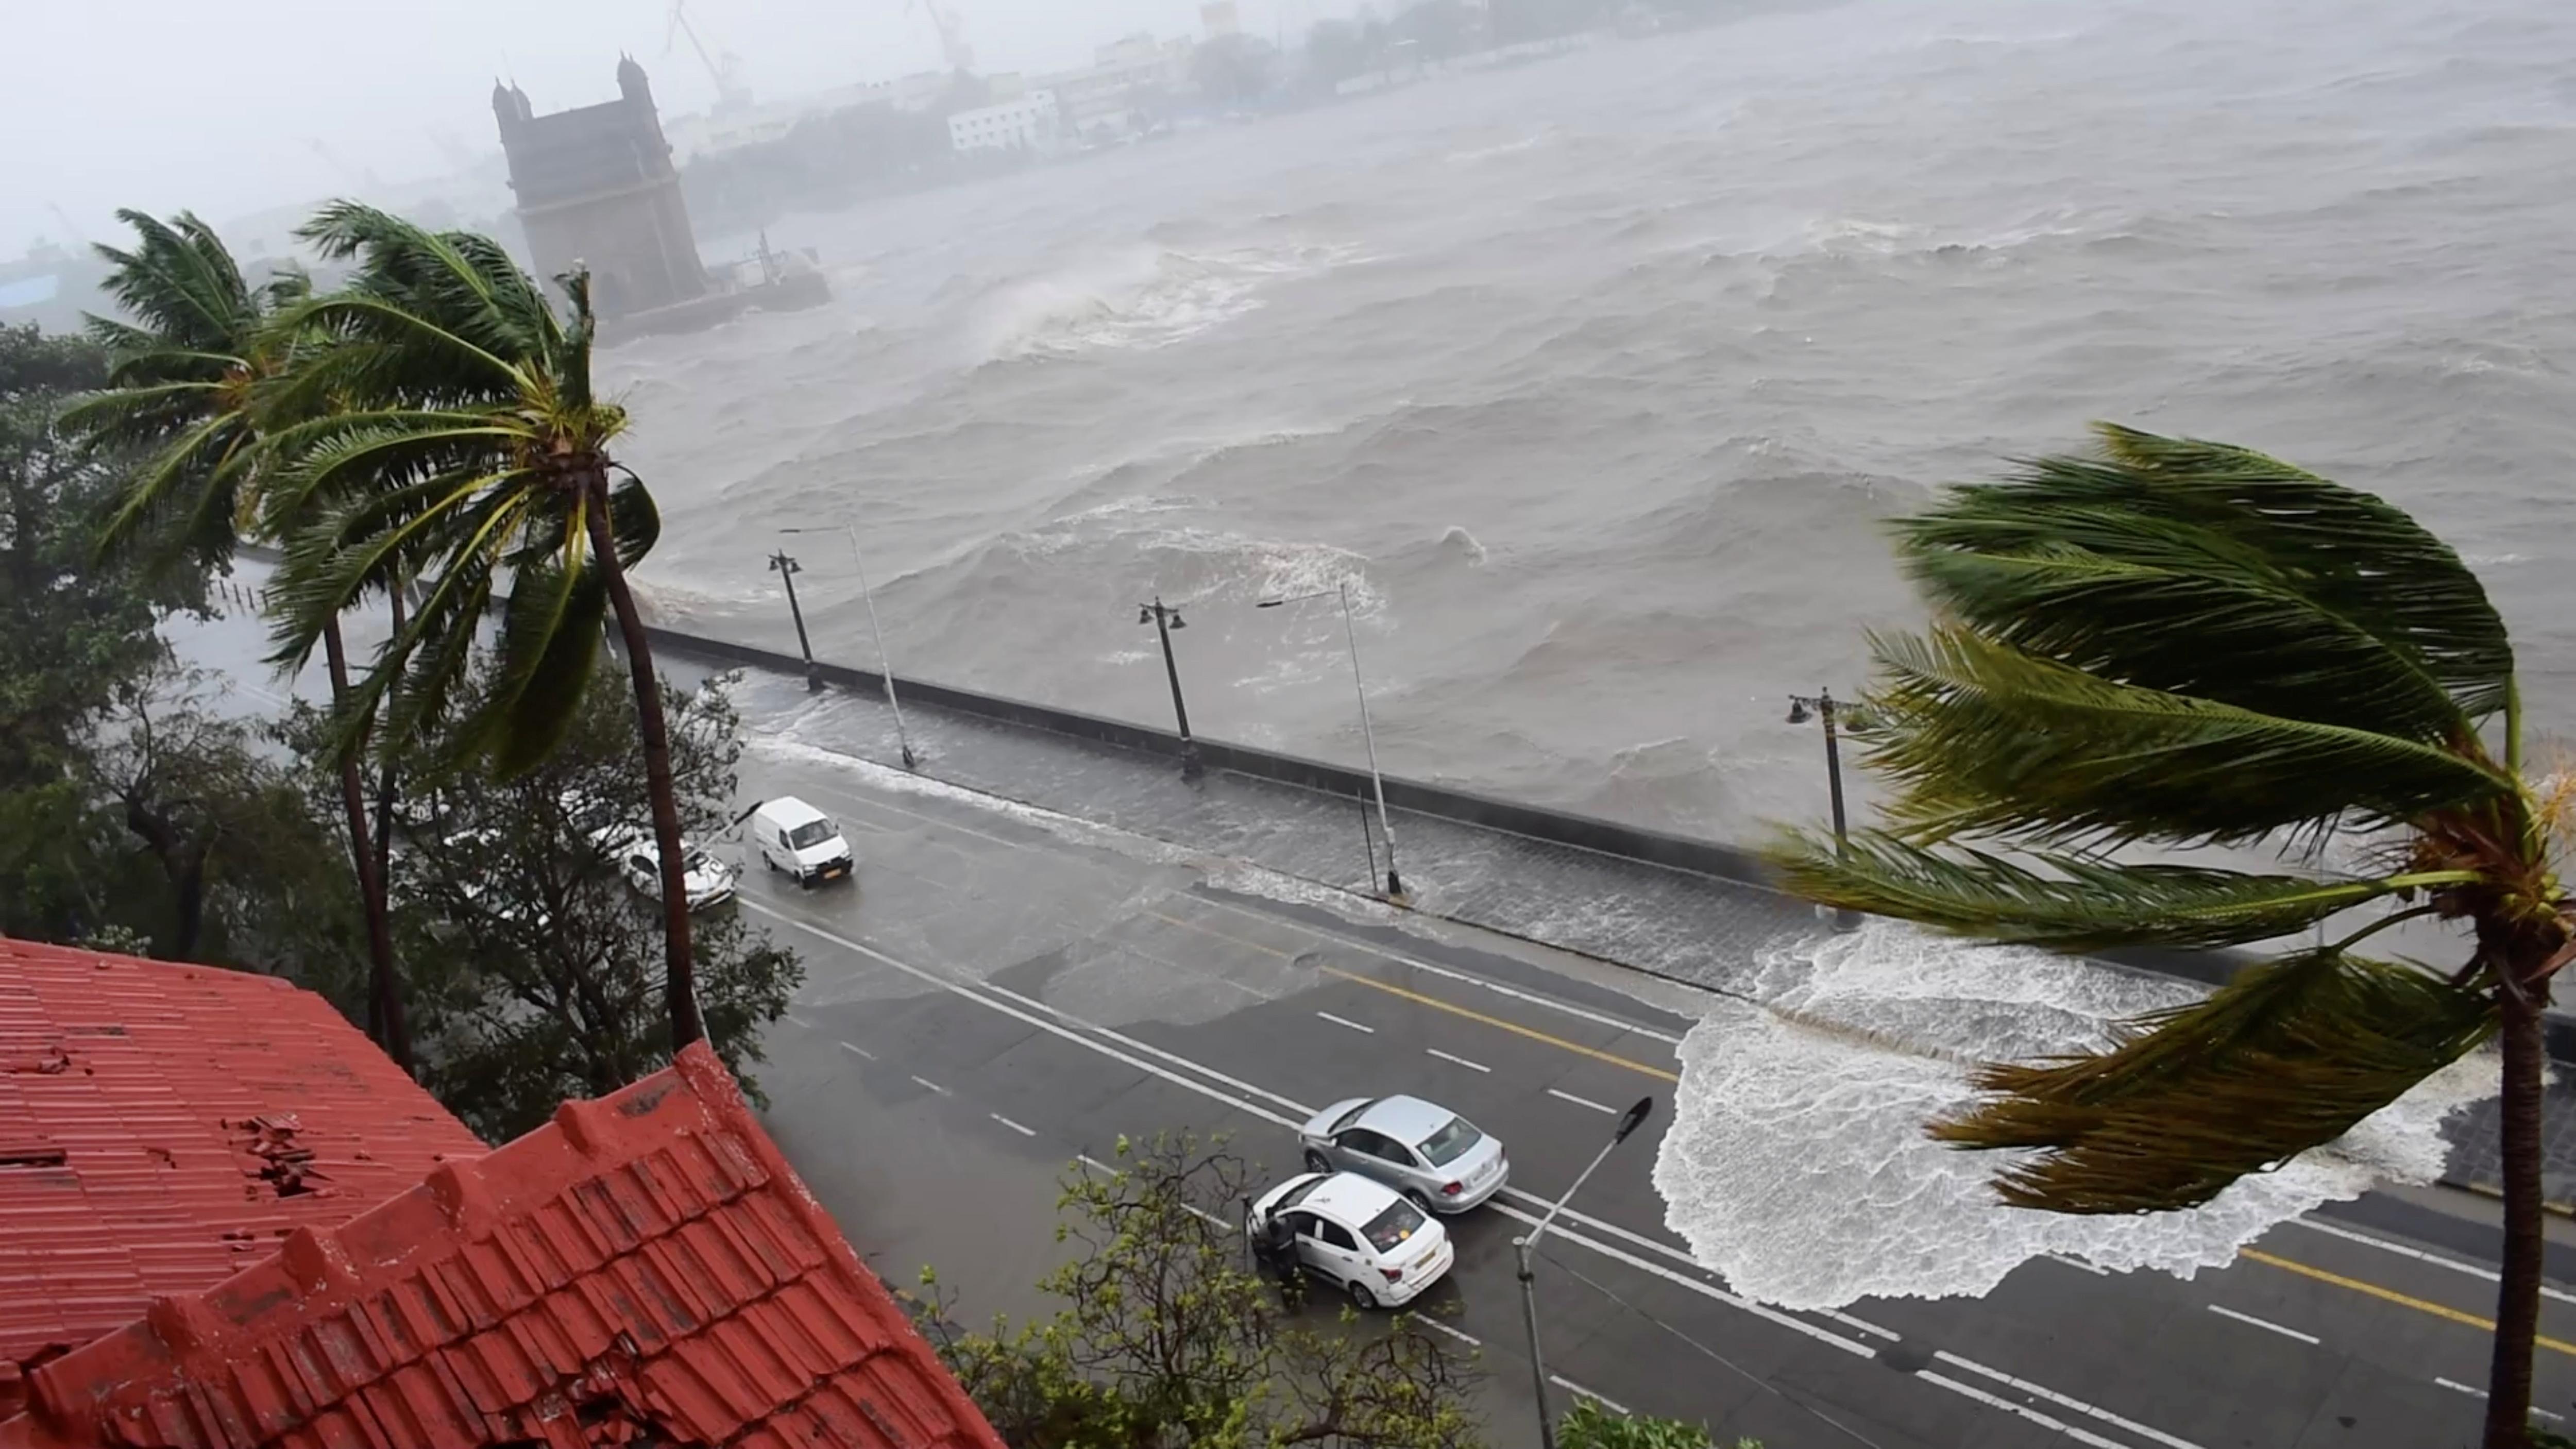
1362	1237
710	881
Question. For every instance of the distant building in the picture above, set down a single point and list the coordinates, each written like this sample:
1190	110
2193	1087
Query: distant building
918	91
1219	18
1126	88
596	186
1029	123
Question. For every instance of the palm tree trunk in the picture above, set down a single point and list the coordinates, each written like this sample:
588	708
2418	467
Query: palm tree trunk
384	988
679	987
386	784
2518	1288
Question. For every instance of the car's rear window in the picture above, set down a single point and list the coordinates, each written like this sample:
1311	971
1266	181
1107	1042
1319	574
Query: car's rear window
1389	1229
1297	1194
1443	1147
812	832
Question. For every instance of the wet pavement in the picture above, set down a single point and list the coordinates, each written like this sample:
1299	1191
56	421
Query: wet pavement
999	994
995	998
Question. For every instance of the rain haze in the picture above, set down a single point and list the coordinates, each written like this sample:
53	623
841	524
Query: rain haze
1590	375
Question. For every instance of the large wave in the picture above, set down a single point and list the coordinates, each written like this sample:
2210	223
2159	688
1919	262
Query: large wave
1797	1167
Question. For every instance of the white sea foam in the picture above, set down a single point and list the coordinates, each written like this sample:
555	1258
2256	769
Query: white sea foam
1796	1165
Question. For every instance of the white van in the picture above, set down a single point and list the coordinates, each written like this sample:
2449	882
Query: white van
797	838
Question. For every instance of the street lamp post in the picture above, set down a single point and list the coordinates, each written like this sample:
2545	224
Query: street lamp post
885	662
1521	1247
1368	731
1165	618
1823	705
786	567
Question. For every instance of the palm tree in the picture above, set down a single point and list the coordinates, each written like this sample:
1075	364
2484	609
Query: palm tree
2186	644
472	449
188	388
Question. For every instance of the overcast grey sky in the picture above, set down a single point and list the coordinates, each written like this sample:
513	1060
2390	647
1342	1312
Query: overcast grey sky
164	104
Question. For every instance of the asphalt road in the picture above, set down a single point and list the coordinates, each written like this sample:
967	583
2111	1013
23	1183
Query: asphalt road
994	999
998	997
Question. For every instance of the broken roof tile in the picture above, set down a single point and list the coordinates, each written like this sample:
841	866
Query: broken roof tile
163	1126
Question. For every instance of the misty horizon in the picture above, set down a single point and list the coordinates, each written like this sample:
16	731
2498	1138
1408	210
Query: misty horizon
283	103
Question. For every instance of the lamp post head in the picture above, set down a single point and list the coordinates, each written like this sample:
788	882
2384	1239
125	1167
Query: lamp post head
1144	613
1270	603
1634	1118
1797	710
1177	621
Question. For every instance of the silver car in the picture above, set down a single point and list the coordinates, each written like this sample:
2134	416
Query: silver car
1427	1152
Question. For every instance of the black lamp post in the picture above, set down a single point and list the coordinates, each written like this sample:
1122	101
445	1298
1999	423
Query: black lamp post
785	567
1628	1122
1802	707
1368	731
1165	619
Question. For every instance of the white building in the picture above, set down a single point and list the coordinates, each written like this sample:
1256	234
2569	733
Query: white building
1028	123
1128	85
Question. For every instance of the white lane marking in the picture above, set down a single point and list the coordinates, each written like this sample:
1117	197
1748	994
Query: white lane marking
1151	1050
798	1020
2080	1436
1007	1122
1533	998
2478	1393
1460	1334
1571	1387
2062	1401
1575	1235
1202	1213
858	1051
1345	1021
2263	1323
1093	1162
1864	1325
1583	1102
934	1086
2098	1272
1462	1061
2337	1230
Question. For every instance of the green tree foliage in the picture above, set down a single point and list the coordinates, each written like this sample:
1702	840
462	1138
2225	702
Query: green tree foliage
2179	643
538	977
1589	1426
72	636
1167	1339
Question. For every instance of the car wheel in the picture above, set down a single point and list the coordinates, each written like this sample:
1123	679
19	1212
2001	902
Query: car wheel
771	864
804	882
1315	1161
1421	1200
1362	1295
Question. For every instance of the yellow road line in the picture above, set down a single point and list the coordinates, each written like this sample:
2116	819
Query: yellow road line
1515	1028
2420	1305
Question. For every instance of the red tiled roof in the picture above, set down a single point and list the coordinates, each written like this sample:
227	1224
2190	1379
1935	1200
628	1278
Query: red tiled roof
646	1269
163	1126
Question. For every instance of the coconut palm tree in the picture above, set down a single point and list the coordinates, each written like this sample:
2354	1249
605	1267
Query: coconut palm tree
189	383
2184	644
471	450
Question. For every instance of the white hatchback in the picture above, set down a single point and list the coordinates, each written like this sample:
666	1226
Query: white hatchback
1360	1236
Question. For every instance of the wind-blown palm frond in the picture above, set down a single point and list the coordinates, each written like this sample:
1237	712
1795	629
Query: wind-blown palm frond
470	451
2238	541
2290	1056
2183	643
2073	903
184	381
1986	738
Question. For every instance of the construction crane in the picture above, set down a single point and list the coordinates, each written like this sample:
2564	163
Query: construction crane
731	93
952	33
